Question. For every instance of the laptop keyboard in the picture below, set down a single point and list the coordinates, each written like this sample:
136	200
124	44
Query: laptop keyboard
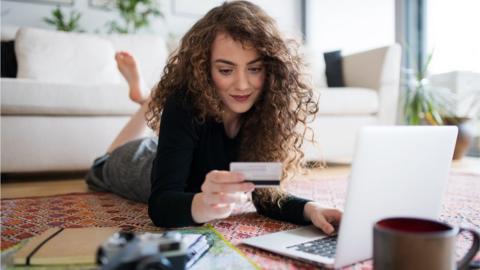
324	247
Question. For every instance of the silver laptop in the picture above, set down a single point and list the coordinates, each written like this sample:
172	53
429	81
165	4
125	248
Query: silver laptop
396	171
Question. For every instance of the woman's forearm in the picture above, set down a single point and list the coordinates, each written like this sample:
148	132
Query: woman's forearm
171	209
283	206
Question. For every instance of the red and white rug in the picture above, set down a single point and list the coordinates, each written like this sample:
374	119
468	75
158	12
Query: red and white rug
26	217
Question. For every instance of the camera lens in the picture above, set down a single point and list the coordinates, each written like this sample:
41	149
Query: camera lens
173	235
126	235
155	262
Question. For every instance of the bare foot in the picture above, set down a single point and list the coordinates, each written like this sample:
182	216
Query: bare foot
128	67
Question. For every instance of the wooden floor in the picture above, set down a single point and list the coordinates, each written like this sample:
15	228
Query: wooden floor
17	186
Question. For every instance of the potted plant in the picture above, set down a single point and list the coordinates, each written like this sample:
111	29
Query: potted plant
135	14
62	23
424	104
463	119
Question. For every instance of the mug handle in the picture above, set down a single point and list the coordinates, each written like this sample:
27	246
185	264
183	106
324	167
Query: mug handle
463	264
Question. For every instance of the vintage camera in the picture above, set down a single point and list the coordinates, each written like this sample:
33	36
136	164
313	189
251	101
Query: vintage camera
142	251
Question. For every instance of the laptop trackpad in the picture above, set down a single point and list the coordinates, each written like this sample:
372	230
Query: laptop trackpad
286	238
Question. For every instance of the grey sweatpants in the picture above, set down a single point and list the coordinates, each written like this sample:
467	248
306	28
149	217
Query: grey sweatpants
126	171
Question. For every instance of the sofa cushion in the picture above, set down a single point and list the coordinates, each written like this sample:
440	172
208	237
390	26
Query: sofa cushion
29	97
54	56
150	51
9	61
333	68
347	101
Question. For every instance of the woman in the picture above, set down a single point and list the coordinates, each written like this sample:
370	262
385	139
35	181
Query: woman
233	91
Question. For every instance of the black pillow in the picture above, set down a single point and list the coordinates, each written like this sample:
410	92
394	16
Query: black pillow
9	61
333	69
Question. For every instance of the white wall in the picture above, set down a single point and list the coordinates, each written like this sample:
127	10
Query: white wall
31	14
287	14
179	14
350	25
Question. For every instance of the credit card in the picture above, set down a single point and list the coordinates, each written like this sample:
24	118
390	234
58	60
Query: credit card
262	174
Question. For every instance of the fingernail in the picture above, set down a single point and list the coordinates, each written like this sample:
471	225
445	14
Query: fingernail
240	176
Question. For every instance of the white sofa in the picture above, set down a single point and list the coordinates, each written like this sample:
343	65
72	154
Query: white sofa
369	98
55	118
69	101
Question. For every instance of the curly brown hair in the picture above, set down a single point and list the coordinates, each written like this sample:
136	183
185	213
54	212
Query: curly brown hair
275	127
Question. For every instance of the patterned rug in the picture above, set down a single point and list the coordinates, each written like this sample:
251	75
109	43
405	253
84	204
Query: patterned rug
26	217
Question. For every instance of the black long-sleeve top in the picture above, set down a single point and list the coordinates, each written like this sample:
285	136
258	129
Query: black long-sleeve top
187	151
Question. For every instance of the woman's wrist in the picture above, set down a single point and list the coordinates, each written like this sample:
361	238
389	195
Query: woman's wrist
198	208
308	210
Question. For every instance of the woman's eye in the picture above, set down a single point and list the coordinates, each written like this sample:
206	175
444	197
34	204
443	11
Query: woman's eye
225	71
255	69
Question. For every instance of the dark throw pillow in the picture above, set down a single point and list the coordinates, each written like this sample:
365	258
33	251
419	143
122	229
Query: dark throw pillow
9	61
333	69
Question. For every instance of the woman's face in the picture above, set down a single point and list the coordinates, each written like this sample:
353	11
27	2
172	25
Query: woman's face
238	73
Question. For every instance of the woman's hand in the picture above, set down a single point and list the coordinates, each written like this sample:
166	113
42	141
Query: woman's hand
221	190
323	218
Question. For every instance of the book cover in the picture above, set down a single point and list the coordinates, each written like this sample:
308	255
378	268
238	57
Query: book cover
58	246
76	249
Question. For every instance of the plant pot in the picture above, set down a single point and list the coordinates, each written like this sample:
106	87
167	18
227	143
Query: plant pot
465	134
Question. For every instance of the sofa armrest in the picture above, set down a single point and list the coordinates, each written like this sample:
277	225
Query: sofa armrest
377	69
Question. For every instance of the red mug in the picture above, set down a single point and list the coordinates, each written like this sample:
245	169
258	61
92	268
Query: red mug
402	243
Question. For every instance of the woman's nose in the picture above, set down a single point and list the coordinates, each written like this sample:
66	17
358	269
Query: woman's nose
242	81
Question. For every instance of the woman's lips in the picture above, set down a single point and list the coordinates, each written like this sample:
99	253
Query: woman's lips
241	98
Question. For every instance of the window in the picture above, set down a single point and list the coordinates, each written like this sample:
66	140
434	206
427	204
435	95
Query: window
452	34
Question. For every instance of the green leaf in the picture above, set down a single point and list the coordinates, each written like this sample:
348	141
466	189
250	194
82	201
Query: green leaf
437	117
135	14
49	21
61	22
